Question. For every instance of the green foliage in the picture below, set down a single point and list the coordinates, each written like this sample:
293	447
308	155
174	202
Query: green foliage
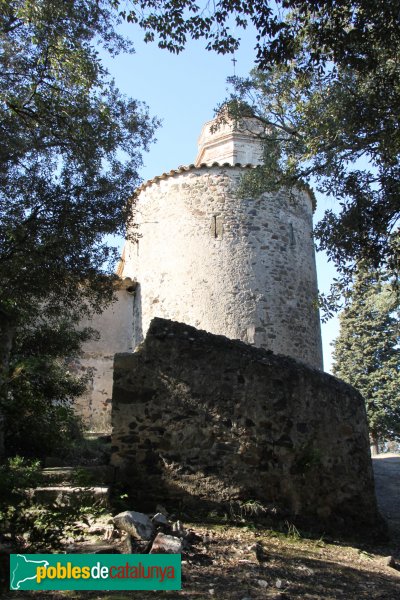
119	497
39	422
38	410
338	129
34	527
16	475
244	510
367	351
293	533
344	32
173	22
69	153
80	477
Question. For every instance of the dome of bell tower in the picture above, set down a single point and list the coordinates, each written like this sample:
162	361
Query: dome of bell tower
227	140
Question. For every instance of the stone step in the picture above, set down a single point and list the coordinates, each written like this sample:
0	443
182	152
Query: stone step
79	475
64	495
104	436
93	449
92	548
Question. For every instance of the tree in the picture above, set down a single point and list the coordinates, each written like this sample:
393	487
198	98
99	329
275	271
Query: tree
69	152
342	31
38	409
367	351
338	129
327	89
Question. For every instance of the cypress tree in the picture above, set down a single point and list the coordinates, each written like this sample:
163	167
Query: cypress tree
367	351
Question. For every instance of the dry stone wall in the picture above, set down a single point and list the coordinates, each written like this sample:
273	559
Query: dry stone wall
198	418
243	268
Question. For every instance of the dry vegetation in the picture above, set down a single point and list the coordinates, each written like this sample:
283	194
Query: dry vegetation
251	563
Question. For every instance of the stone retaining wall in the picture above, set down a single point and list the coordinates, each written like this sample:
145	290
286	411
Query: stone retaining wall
201	419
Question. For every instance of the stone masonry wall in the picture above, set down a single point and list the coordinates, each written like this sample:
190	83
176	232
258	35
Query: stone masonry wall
199	418
243	268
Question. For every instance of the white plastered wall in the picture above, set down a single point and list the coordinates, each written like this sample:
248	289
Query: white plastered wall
115	331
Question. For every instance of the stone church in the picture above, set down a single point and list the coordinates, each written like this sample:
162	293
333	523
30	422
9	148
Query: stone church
219	394
240	267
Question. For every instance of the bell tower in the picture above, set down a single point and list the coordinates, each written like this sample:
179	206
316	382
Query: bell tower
225	141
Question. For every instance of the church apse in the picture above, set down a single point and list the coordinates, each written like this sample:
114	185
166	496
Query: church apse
233	266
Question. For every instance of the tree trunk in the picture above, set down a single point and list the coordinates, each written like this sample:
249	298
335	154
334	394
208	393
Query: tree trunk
374	445
7	331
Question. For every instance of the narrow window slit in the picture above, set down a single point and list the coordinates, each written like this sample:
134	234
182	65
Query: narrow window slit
216	227
291	235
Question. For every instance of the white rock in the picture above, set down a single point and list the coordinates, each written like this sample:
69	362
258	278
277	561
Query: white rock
166	544
262	583
137	524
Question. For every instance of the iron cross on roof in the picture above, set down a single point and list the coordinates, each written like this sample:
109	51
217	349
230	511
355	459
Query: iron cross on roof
234	66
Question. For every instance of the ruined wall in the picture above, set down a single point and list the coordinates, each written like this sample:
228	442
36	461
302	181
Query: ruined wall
243	268
200	418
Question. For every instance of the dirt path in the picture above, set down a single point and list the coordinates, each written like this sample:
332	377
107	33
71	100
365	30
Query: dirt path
387	484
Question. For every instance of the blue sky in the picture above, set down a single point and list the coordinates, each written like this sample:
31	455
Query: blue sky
183	91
